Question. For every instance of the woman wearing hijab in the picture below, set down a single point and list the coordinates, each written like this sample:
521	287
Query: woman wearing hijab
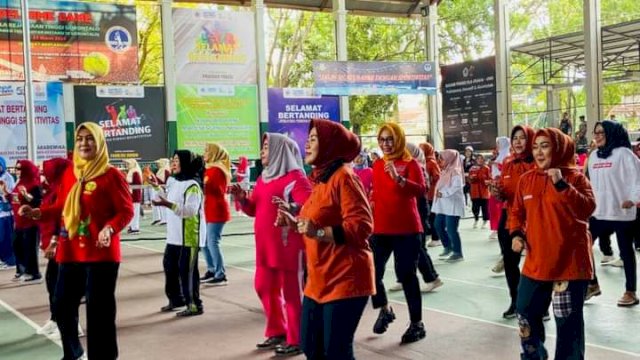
7	258
95	205
549	217
134	179
468	162
449	205
364	172
25	242
160	179
495	204
433	175
512	168
397	182
186	234
279	251
242	177
336	223
216	210
53	170
614	171
479	178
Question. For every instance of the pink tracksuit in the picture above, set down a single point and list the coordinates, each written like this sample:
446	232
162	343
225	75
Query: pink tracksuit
279	254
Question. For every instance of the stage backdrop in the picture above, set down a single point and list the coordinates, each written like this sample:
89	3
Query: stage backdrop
132	117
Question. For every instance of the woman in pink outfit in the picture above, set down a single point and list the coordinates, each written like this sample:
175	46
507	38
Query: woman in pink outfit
363	170
279	250
242	177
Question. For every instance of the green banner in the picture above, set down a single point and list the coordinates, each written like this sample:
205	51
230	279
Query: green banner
225	114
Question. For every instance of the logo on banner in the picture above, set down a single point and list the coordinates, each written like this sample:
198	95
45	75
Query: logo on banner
217	44
118	39
124	123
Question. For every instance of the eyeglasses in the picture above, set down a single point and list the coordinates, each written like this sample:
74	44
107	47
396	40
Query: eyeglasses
388	140
600	132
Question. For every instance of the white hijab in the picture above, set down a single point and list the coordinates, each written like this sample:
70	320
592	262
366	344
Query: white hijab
503	143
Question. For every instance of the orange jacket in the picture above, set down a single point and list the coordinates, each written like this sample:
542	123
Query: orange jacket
512	169
339	270
478	177
557	220
433	172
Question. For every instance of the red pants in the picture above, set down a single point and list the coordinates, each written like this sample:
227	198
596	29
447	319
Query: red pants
495	209
280	291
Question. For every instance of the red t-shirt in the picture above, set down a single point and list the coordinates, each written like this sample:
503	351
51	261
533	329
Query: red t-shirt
216	206
105	200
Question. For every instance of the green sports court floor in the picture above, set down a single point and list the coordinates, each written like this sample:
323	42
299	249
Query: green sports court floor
463	317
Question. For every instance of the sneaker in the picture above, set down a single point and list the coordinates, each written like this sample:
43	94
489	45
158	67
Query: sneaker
616	263
48	328
454	258
162	223
208	275
384	319
414	333
475	224
190	311
628	299
607	259
271	343
32	279
216	281
484	225
430	286
83	357
5	266
592	290
17	277
155	222
396	287
510	313
493	236
133	232
445	254
171	307
498	268
288	350
434	243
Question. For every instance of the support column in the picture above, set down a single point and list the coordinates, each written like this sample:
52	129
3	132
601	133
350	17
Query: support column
261	51
168	54
32	147
593	61
434	102
503	67
553	107
340	21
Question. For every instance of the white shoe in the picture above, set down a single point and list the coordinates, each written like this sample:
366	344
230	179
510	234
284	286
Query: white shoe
5	266
396	287
475	224
484	225
498	267
493	236
80	331
430	286
607	259
617	263
434	243
48	328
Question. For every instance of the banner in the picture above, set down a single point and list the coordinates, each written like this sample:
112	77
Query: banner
49	120
469	105
290	111
225	114
214	47
132	118
374	78
77	41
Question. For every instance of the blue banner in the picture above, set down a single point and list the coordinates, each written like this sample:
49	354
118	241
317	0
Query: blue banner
290	111
374	78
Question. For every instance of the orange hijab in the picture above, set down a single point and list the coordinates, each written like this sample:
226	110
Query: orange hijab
400	151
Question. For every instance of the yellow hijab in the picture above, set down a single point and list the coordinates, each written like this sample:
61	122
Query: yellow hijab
218	157
399	143
84	170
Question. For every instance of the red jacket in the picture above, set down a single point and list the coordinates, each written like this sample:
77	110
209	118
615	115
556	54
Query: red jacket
557	220
433	171
105	200
395	211
216	206
17	200
512	169
136	191
478	177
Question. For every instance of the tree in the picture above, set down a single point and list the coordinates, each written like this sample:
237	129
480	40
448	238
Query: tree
150	57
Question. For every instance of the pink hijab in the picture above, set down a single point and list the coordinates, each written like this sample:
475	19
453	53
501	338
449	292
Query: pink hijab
452	166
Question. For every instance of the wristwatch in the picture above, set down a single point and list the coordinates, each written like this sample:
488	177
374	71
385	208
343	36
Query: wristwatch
320	233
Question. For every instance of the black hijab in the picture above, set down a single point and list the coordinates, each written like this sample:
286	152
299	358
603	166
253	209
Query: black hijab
616	136
187	171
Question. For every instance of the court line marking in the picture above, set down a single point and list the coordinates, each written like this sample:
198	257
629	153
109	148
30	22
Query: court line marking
511	327
29	322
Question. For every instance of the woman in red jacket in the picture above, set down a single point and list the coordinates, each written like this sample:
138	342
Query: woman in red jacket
134	179
479	178
550	218
397	182
433	175
94	206
513	167
25	242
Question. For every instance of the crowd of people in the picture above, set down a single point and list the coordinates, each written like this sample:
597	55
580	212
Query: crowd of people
323	239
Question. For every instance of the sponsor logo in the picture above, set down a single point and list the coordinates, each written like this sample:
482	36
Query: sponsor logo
118	39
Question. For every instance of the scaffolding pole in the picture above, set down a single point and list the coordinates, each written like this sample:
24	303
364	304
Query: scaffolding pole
32	147
340	20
